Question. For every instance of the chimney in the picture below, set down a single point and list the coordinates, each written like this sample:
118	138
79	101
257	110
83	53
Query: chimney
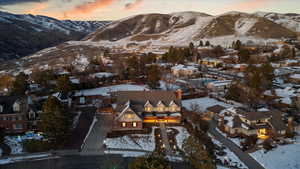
178	94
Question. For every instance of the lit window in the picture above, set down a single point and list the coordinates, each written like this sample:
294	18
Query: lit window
134	124
123	124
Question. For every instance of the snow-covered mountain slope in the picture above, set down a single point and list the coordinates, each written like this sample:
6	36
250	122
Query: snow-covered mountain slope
146	31
289	20
22	35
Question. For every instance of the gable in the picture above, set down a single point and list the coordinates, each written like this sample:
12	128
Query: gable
129	116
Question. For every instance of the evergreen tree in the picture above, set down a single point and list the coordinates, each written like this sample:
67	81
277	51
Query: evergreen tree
201	43
191	46
244	55
293	53
64	84
150	162
153	76
55	121
19	85
207	43
233	45
196	154
238	45
133	67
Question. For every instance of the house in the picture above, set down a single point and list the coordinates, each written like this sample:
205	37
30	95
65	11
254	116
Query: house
13	113
215	110
210	62
183	70
294	78
135	108
264	124
230	59
219	86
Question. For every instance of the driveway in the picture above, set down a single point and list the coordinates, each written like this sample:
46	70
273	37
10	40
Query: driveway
250	162
94	141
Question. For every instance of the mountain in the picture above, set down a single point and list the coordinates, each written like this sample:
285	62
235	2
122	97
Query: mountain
289	20
146	31
22	35
154	33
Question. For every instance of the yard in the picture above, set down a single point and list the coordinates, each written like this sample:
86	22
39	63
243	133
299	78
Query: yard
283	156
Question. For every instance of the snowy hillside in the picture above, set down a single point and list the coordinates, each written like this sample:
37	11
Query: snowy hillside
290	21
150	31
23	35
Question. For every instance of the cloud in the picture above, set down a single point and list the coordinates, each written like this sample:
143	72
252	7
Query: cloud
250	5
37	8
133	5
87	8
12	2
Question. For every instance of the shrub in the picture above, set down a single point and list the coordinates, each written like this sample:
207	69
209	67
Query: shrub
33	146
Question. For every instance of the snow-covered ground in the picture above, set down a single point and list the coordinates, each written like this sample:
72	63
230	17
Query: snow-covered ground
181	136
133	141
230	157
105	91
203	103
22	158
281	157
126	153
15	142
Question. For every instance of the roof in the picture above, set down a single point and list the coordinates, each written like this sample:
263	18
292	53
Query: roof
256	115
7	103
216	108
139	98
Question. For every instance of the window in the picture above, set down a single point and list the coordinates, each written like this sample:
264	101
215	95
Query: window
18	126
134	124
123	124
16	106
1	108
82	100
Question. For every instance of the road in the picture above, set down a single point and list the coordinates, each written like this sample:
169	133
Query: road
250	162
81	162
94	141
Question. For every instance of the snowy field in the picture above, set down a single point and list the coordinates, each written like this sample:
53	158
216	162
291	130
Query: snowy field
203	103
229	157
282	157
133	142
105	91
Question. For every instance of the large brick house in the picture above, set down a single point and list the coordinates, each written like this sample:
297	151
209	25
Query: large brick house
134	108
13	113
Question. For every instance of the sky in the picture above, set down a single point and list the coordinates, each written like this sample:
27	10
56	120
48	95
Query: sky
117	9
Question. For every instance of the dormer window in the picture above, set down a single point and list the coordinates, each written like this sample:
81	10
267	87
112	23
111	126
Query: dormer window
148	106
16	107
160	106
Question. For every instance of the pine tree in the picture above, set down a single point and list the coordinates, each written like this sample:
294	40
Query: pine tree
293	53
153	76
191	46
19	85
150	162
64	84
207	43
238	45
55	122
201	43
196	154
